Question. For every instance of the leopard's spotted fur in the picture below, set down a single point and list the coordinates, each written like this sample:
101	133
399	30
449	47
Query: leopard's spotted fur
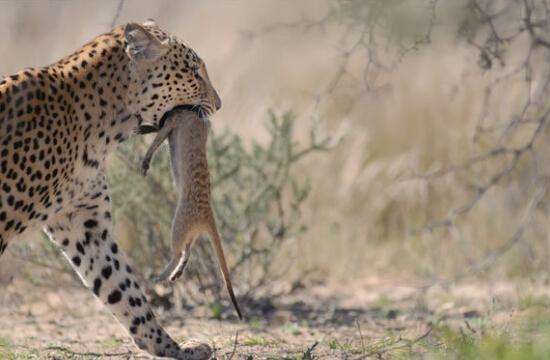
57	126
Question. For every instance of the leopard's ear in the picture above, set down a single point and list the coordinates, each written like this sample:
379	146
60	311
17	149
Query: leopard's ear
142	45
150	22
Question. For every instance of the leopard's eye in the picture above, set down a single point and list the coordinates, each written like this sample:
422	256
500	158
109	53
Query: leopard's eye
197	70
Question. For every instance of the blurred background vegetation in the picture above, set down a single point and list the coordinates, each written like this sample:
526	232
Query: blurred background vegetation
358	138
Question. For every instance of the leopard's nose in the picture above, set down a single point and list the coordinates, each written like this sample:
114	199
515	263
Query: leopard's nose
217	101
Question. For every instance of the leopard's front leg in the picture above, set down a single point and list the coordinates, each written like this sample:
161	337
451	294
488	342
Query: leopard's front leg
85	237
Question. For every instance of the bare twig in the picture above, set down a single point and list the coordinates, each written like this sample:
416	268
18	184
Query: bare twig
308	354
234	346
503	26
470	327
360	336
88	353
402	344
118	12
495	254
365	35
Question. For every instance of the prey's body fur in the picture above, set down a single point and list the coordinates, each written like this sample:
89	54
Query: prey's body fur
187	134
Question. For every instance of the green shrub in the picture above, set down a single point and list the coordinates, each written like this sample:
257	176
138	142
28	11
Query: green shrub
257	200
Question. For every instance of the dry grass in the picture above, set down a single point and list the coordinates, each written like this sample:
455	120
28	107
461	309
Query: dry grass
373	318
368	210
364	217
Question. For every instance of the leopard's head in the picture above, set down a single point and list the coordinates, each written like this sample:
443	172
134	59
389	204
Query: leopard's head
165	74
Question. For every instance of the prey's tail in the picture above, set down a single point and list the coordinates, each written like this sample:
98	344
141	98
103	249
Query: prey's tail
216	242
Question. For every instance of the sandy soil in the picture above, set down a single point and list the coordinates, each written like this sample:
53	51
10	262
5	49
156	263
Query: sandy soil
336	321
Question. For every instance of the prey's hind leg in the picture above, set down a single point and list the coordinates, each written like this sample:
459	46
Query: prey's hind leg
177	264
182	264
183	231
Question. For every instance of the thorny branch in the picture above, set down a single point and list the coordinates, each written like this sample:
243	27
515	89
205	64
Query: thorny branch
118	12
493	255
502	28
366	30
481	190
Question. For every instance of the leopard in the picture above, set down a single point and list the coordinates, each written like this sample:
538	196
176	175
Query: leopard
59	124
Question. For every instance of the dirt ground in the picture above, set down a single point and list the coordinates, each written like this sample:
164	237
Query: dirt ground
377	317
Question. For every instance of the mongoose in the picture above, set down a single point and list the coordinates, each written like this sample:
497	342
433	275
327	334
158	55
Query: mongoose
187	134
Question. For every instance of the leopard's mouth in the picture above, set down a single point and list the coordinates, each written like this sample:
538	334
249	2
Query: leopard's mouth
147	129
198	109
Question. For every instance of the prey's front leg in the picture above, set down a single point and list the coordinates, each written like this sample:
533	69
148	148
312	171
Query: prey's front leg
162	135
